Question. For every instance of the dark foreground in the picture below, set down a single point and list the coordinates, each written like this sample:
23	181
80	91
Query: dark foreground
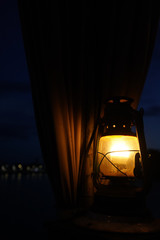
27	207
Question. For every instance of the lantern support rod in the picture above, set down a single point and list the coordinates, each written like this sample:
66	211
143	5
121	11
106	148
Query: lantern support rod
105	156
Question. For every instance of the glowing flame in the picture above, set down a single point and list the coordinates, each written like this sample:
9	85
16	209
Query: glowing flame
120	147
119	150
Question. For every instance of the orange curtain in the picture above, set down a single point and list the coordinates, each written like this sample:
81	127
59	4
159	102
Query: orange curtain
78	55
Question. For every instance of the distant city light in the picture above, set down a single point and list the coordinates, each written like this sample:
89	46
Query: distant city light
19	168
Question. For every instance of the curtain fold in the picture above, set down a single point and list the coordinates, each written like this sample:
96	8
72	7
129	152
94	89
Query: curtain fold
78	55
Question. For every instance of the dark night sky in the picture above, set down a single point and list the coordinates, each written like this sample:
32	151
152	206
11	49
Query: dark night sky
18	135
150	99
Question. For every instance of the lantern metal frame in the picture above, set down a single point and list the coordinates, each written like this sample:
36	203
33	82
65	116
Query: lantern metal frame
113	211
121	119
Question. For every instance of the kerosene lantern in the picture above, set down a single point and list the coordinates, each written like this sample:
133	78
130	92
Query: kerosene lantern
120	166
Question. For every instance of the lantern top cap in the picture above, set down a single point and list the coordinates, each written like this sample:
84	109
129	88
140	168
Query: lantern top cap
121	99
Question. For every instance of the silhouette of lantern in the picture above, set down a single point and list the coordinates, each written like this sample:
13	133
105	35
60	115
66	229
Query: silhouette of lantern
121	174
120	167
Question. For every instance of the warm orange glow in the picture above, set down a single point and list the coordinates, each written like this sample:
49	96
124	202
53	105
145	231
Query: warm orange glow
116	155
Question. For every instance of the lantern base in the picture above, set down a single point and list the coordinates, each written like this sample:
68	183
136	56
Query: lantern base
131	205
119	214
